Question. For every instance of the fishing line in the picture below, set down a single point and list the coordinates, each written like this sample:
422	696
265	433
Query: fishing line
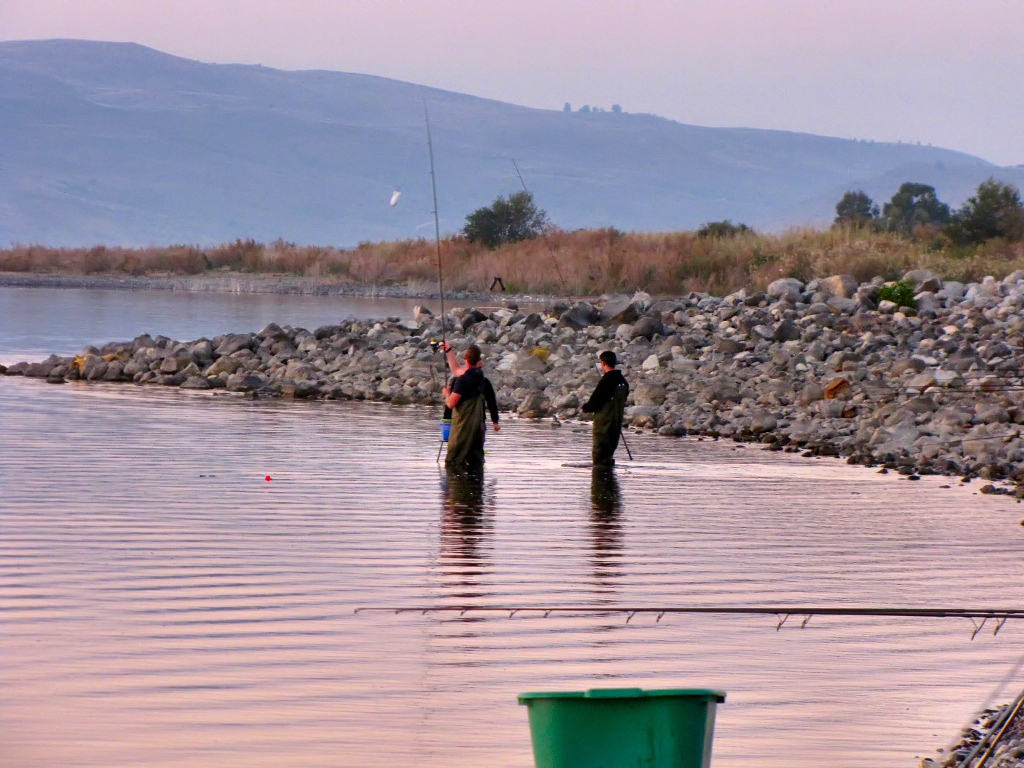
544	236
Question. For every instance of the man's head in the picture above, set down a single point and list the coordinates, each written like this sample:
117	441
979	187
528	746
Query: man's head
473	356
608	361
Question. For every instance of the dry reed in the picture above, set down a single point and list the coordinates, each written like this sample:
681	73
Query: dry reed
591	261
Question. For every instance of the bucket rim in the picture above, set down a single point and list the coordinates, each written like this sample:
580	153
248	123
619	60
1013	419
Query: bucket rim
705	694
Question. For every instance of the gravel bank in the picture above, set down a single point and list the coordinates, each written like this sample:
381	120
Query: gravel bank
824	368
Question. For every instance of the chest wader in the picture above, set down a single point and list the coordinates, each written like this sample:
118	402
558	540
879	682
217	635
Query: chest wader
466	441
608	427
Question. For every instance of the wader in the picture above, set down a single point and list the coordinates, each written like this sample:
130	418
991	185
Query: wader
466	441
608	427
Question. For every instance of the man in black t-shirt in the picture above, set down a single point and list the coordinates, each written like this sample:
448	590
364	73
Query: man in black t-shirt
470	396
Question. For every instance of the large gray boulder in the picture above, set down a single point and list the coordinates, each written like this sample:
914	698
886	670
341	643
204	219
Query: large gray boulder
272	331
951	289
534	406
243	381
641	416
525	362
195	382
40	370
761	422
579	316
145	341
843	286
202	351
471	318
115	369
620	310
647	327
93	367
786	289
787	330
845	306
923	280
533	320
170	365
224	366
236	341
726	345
649	394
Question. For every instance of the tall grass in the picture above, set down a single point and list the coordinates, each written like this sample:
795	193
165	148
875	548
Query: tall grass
590	261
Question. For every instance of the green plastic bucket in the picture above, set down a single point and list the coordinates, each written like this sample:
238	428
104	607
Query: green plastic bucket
618	727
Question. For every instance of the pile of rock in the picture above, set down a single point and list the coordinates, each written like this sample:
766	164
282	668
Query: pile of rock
824	368
1006	751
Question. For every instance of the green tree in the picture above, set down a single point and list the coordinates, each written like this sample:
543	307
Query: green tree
995	211
856	209
912	206
506	221
722	229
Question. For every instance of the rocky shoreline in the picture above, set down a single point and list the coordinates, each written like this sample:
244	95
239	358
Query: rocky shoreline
825	369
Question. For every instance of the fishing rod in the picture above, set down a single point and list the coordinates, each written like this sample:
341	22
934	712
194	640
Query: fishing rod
437	226
782	612
440	272
543	234
628	452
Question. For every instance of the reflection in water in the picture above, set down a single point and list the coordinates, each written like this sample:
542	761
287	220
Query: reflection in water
464	526
605	525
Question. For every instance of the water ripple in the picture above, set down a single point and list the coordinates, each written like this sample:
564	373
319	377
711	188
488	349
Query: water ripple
163	604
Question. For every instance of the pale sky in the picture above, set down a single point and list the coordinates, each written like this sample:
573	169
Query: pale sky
946	72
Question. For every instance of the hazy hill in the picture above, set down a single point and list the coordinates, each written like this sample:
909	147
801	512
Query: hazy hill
118	143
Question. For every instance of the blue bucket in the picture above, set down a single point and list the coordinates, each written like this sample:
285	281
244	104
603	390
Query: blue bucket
446	429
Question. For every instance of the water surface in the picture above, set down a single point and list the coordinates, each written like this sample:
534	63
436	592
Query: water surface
162	604
37	322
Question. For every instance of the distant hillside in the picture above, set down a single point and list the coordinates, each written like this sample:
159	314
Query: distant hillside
121	144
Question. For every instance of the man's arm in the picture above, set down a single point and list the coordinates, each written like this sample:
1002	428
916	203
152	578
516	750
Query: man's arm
457	369
492	402
451	399
602	395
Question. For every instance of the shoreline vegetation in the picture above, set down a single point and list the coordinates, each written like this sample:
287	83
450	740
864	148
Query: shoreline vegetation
592	262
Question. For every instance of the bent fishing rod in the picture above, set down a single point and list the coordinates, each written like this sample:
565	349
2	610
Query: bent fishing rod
437	226
440	269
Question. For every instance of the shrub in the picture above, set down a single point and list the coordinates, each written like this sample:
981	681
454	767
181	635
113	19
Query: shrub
900	293
912	206
505	221
856	209
723	229
994	212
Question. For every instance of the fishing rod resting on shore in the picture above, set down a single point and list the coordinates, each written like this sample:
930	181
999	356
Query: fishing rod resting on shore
782	612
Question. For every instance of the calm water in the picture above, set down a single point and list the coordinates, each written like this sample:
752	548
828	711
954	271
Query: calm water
161	604
35	322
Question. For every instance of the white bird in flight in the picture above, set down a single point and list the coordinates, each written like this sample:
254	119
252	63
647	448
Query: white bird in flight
394	197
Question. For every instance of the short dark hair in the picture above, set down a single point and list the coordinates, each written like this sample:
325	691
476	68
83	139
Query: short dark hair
472	354
608	358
